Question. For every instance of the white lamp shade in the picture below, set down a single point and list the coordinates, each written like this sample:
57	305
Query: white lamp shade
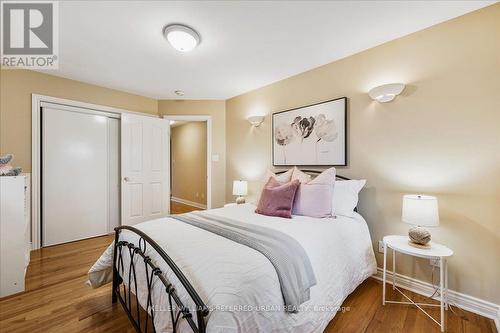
420	210
240	187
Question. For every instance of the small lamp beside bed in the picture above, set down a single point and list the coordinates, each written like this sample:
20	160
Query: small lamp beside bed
240	189
420	211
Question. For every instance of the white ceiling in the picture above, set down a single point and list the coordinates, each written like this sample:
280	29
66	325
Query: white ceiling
245	44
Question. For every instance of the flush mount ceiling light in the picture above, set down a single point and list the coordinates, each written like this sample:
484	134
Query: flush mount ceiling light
181	37
179	92
387	92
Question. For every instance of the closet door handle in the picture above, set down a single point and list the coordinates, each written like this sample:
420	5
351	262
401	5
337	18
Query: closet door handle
126	179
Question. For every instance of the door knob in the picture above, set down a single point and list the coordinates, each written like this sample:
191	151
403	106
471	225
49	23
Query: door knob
126	179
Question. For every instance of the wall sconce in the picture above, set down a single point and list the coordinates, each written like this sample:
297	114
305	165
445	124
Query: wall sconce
387	92
255	120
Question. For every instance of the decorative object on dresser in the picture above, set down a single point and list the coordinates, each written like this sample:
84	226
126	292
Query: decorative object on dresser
420	210
240	189
435	251
14	233
6	169
313	135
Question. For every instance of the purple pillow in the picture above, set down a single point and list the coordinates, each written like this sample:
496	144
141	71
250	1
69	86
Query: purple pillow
277	198
314	198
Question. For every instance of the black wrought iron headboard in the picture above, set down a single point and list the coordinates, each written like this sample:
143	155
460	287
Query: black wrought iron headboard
314	172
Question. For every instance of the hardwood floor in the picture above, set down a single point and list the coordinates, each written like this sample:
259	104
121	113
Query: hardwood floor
367	314
57	300
179	208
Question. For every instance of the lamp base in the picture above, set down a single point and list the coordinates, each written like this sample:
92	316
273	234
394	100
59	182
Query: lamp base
419	246
419	237
240	200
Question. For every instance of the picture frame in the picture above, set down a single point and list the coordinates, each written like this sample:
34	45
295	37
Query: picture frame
311	135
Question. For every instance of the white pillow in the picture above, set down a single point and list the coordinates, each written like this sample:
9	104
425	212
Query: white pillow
345	196
302	177
282	178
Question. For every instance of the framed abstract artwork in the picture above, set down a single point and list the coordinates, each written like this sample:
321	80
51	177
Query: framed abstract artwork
313	135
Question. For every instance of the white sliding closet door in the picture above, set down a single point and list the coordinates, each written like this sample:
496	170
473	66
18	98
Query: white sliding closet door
114	193
77	193
145	168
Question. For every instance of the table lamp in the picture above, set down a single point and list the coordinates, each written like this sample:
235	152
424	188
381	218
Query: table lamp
240	188
420	211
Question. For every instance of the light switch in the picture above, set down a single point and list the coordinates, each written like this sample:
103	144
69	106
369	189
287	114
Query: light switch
215	158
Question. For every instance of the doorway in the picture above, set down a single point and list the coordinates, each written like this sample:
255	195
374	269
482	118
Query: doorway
190	163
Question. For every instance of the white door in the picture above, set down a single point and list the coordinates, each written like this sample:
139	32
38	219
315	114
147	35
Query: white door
145	169
76	172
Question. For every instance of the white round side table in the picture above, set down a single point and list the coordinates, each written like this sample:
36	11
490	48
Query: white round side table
435	251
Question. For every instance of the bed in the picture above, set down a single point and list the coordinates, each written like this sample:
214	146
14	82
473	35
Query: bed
171	276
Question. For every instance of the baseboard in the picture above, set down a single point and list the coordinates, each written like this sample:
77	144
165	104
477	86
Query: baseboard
190	203
466	302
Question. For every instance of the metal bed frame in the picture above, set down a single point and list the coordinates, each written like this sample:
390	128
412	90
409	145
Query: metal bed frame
316	172
143	319
124	295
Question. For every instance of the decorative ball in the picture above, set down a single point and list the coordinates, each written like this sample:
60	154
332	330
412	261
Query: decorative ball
419	235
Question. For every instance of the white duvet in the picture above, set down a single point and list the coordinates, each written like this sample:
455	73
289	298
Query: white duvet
240	285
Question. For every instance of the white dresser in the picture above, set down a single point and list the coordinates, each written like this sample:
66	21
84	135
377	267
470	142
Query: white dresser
14	233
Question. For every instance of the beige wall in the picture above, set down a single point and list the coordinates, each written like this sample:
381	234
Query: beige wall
16	87
217	110
441	137
189	161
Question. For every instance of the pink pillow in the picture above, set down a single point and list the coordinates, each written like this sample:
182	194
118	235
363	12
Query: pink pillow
315	197
277	199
